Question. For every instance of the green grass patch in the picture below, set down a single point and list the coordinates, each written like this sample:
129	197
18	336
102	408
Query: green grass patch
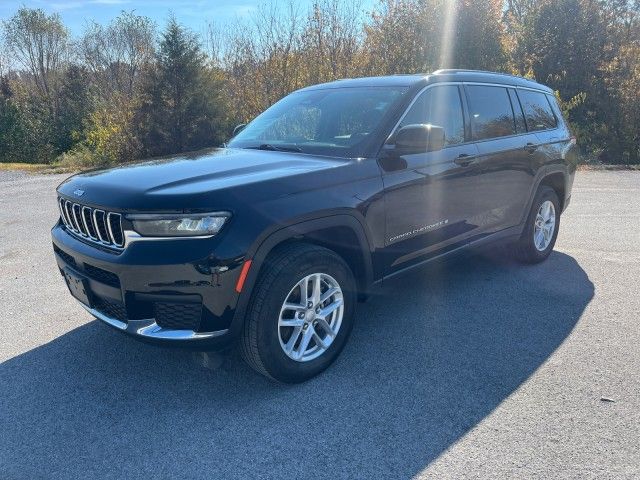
42	168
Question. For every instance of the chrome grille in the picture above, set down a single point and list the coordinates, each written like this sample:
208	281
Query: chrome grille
87	221
92	224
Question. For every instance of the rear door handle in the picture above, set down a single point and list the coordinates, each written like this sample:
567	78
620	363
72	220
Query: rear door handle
464	159
531	147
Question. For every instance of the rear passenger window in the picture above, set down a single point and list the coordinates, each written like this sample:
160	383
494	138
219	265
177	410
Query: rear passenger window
490	111
537	110
439	106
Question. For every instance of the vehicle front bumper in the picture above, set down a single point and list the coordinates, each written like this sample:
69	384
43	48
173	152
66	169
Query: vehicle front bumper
168	291
148	328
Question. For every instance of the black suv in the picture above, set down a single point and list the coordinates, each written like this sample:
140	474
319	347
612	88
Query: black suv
272	240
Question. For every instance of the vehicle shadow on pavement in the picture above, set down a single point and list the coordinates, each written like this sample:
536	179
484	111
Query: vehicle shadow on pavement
430	356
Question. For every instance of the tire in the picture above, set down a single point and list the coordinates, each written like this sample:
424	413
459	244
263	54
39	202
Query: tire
264	342
528	249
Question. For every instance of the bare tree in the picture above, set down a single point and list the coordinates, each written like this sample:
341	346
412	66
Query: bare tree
262	58
277	41
405	36
115	54
332	40
40	44
283	48
4	58
215	40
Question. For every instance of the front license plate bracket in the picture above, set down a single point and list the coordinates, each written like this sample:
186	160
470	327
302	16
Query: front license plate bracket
78	286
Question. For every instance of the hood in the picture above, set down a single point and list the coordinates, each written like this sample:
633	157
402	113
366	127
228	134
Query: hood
196	180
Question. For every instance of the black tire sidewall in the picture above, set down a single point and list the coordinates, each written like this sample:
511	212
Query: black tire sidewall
274	359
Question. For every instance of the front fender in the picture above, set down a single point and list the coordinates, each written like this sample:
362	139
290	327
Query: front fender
275	235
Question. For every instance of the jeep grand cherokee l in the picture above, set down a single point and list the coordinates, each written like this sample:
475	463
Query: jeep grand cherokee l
270	241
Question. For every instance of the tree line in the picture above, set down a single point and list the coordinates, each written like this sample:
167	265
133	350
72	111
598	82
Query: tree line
130	89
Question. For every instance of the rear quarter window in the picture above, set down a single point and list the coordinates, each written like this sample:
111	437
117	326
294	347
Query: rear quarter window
537	110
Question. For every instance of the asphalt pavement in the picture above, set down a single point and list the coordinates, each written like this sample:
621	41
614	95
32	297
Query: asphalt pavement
478	368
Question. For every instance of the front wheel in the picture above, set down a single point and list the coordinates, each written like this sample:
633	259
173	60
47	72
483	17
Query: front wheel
541	230
301	313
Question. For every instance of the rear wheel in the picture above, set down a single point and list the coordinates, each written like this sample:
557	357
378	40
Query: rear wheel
301	313
541	229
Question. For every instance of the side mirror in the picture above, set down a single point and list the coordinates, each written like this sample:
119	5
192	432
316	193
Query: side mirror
419	138
238	129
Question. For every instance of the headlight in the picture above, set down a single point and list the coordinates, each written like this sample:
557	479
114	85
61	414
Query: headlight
181	225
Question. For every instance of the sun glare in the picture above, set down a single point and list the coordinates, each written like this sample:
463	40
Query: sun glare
448	36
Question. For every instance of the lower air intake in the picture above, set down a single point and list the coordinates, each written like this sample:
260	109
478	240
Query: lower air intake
178	316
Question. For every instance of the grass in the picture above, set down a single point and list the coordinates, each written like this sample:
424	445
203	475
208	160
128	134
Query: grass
35	167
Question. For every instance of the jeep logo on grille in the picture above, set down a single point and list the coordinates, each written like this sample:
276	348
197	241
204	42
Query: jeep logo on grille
78	192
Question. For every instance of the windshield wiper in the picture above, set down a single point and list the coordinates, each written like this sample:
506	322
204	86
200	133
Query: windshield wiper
278	148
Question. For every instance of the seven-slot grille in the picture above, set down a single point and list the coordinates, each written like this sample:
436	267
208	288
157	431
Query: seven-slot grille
92	223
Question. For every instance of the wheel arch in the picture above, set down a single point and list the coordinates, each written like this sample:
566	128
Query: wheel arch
554	176
342	233
557	181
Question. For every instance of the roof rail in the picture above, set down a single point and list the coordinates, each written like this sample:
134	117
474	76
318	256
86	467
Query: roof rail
444	71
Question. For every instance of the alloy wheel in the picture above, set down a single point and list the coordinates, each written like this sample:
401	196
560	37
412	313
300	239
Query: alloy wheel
545	225
310	317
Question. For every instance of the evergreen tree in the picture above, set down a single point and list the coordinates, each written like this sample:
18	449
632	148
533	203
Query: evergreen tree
10	125
74	107
20	139
182	96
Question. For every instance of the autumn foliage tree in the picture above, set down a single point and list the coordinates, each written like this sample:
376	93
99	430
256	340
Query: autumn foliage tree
123	91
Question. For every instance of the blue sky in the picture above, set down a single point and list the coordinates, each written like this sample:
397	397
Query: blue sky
193	13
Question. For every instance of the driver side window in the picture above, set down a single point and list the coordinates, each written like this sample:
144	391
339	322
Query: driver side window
439	105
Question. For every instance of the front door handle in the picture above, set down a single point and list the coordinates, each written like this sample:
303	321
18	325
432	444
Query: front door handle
531	147
464	159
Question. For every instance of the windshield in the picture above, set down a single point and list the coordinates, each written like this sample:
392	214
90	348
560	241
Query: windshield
334	121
